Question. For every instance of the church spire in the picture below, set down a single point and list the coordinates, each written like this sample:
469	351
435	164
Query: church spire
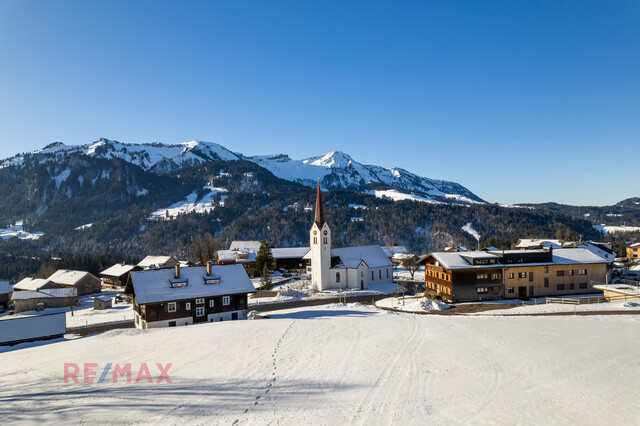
319	219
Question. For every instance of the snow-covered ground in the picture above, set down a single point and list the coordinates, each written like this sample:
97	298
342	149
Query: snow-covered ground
17	231
616	229
412	304
190	205
85	315
340	364
543	308
396	195
299	290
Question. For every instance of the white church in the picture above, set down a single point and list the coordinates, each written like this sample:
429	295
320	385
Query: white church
342	268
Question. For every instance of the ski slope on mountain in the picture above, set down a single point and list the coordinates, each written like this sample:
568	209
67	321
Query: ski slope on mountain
341	364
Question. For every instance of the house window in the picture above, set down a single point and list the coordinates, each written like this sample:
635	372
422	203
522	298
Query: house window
226	300
496	290
337	277
495	276
546	269
511	290
559	273
482	276
481	290
560	287
522	275
171	307
583	285
187	306
571	286
570	271
546	282
200	311
510	275
212	303
199	301
582	272
172	323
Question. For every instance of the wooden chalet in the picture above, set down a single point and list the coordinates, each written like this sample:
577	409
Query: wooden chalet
84	282
184	296
118	275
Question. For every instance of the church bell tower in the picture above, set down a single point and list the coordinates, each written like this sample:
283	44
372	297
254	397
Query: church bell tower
320	243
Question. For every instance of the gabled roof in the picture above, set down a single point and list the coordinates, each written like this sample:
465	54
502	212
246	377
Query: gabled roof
386	251
351	257
245	245
67	277
118	270
525	243
32	284
154	285
45	294
289	252
225	255
156	260
103	298
5	287
398	249
635	245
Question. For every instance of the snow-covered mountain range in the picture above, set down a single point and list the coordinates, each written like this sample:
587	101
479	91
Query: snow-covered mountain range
336	170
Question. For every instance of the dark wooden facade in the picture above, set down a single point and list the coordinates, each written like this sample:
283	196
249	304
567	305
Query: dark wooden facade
152	312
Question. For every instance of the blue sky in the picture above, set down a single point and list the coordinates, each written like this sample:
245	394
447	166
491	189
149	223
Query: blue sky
520	101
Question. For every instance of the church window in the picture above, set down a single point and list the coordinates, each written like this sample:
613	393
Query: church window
362	273
325	240
315	240
372	276
387	272
337	277
380	273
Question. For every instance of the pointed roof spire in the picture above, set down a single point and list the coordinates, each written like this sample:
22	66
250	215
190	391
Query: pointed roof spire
319	219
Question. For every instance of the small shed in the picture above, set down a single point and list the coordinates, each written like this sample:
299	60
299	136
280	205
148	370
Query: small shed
101	303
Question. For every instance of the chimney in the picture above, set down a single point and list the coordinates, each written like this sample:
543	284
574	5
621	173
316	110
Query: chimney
209	268
177	271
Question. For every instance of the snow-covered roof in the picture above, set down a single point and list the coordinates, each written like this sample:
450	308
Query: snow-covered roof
67	277
635	245
245	245
156	260
5	287
455	248
567	256
289	252
491	248
398	249
32	284
351	257
534	242
154	285
103	298
629	290
45	293
595	249
117	270
224	255
386	251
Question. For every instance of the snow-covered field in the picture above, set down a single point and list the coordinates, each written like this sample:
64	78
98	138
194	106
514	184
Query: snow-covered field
628	305
412	304
613	229
341	364
17	231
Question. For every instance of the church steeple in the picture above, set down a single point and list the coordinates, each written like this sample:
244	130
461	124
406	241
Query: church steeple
319	219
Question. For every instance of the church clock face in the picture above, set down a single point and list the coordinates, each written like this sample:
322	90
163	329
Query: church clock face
325	232
315	232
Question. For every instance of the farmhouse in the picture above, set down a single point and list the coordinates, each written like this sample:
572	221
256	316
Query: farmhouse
479	275
154	262
5	292
117	275
43	299
291	259
348	267
84	282
183	296
633	252
34	284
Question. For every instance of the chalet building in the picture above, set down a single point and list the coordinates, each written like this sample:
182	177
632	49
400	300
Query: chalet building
479	275
155	262
118	275
348	267
184	296
245	258
34	284
253	246
633	252
538	244
84	282
43	299
291	259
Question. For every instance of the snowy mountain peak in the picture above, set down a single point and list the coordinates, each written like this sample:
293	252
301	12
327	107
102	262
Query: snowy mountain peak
333	159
